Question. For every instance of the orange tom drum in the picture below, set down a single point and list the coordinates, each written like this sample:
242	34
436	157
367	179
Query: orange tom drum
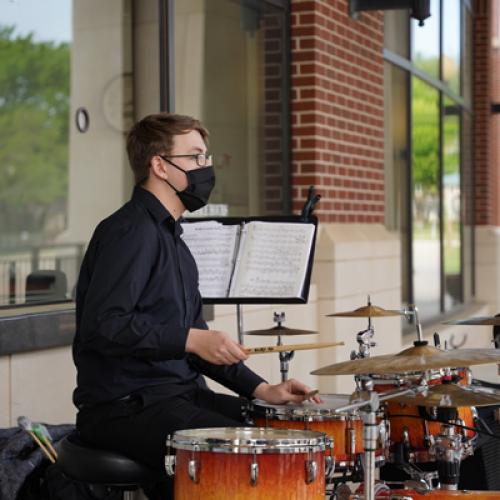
248	463
345	429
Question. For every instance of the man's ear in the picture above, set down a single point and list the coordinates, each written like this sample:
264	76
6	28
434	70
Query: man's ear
158	169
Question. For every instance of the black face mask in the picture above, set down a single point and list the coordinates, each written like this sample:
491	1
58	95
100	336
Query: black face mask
201	181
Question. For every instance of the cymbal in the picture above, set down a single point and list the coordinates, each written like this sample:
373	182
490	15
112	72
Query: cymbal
368	311
417	358
290	347
280	330
478	320
451	395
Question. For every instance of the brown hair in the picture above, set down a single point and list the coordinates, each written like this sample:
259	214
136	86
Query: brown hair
154	135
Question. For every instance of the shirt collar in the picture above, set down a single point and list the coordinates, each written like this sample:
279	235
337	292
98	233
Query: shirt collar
156	209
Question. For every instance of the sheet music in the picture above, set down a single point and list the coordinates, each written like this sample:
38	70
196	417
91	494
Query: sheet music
272	260
213	247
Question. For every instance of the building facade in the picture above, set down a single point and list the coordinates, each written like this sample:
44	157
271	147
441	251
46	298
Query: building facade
395	124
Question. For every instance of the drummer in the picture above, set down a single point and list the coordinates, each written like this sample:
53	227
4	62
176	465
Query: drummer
142	346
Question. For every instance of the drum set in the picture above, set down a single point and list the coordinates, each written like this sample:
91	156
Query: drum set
411	421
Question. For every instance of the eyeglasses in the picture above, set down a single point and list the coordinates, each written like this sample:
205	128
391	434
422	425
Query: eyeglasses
201	159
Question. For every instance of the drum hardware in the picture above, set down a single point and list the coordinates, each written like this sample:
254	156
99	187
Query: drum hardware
254	470
311	467
194	465
169	458
448	451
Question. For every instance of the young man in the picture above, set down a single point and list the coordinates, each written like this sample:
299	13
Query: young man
142	347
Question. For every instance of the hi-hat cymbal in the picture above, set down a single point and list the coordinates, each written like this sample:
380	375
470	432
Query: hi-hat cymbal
368	311
478	320
418	358
452	396
280	330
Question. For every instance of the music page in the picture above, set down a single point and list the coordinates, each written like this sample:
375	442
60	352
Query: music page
213	247
272	260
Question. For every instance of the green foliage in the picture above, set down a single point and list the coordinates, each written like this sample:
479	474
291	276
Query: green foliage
34	109
425	138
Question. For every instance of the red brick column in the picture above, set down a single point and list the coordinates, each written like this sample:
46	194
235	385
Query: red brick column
338	110
495	118
482	112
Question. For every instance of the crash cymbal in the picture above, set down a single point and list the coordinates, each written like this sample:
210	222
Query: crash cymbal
418	358
368	311
478	320
451	395
280	330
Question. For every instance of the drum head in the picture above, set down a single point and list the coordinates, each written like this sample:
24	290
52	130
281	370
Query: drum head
297	411
250	440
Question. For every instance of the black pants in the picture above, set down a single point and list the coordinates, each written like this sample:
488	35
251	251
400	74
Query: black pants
140	431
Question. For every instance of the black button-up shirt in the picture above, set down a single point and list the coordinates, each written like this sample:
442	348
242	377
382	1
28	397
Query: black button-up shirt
137	298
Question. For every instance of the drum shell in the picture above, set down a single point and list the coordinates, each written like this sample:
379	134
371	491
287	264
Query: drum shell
227	476
338	428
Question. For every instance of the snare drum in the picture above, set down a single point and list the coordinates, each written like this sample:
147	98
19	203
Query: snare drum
346	430
248	463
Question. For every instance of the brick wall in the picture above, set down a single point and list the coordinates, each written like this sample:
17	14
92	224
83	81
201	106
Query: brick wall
481	98
338	110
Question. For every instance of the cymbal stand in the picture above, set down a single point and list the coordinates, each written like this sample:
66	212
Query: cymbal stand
412	310
286	356
369	407
364	339
449	450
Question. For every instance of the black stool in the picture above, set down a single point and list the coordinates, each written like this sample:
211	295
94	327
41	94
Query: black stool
80	462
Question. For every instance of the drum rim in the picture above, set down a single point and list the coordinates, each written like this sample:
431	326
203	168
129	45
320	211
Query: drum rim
300	413
314	441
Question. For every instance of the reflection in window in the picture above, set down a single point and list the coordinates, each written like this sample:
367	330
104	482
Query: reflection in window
425	169
35	43
451	45
452	258
425	42
230	72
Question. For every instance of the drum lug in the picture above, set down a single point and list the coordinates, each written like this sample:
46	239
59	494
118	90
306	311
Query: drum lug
329	466
169	459
351	439
311	471
194	466
254	471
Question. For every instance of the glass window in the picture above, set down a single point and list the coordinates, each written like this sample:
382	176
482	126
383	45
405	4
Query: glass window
451	193
425	42
396	120
425	198
451	45
66	102
467	206
230	72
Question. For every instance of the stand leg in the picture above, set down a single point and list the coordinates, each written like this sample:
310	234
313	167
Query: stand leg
239	319
370	431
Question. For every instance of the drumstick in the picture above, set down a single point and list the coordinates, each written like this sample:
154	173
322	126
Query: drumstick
290	347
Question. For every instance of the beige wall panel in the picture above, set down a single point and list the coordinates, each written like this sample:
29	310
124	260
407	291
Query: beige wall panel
42	386
5	392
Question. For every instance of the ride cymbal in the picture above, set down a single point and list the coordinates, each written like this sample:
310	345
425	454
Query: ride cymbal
418	358
280	330
478	320
368	311
451	396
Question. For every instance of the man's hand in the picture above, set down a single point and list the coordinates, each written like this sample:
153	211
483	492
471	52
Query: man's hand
214	346
291	390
